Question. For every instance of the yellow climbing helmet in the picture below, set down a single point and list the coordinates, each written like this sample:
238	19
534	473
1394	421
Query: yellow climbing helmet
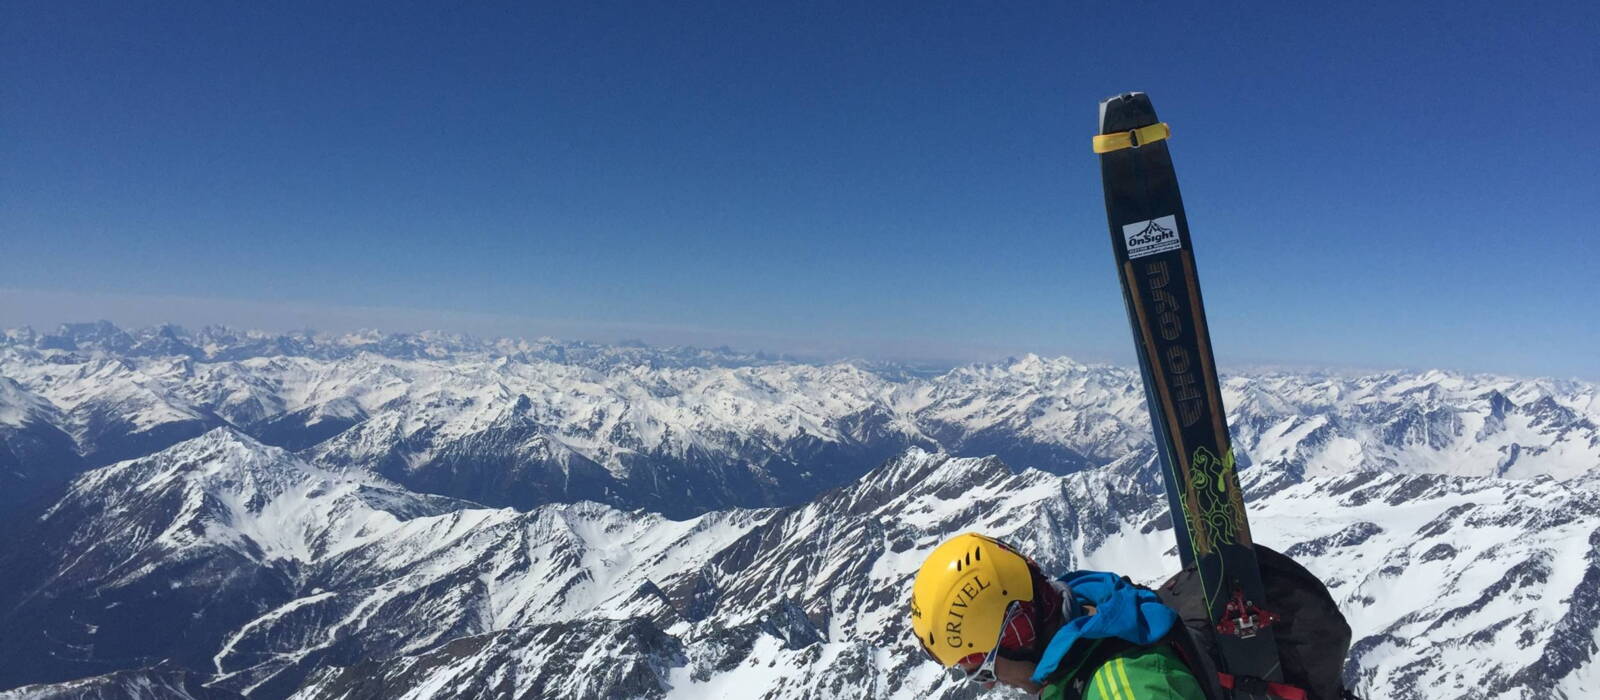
961	594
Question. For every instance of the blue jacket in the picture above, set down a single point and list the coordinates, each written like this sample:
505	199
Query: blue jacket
1122	610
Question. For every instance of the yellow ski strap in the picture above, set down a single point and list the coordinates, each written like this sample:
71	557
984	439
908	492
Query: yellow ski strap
1106	143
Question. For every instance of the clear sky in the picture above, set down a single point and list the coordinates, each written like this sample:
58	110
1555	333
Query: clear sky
1390	185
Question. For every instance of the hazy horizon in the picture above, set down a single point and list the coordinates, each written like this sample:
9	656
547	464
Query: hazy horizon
285	318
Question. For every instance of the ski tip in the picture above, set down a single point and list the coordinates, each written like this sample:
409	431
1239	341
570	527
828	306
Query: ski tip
1125	112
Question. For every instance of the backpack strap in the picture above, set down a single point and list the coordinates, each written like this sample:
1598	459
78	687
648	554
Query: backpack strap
1255	687
1217	685
1181	640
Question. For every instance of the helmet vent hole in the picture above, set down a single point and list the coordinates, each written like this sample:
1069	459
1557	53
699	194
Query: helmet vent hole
969	558
977	553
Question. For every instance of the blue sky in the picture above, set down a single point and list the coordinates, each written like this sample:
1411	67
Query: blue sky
1395	185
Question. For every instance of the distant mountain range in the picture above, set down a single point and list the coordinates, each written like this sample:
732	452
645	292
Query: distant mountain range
682	431
223	513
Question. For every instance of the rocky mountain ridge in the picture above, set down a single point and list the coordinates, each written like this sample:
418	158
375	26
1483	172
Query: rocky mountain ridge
259	573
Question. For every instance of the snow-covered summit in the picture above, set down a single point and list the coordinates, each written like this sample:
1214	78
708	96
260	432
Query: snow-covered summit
20	407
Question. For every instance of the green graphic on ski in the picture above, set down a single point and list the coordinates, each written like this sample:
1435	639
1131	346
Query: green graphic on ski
1155	262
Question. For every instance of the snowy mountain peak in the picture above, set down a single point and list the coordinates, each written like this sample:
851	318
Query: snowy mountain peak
222	459
918	473
20	407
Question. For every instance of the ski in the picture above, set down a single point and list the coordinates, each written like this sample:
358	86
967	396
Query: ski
1155	263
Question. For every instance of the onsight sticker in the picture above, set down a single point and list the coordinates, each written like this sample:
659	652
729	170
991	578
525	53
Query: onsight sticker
1151	237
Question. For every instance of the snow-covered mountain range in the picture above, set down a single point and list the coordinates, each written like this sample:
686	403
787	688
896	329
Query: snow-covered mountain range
219	513
683	431
265	575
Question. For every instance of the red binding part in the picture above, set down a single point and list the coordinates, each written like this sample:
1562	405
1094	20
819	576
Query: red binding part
1277	690
1243	619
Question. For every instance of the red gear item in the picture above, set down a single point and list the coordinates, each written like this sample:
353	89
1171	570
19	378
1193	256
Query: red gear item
1021	632
1042	615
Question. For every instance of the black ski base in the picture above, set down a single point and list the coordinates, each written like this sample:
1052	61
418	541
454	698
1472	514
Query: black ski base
1161	290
